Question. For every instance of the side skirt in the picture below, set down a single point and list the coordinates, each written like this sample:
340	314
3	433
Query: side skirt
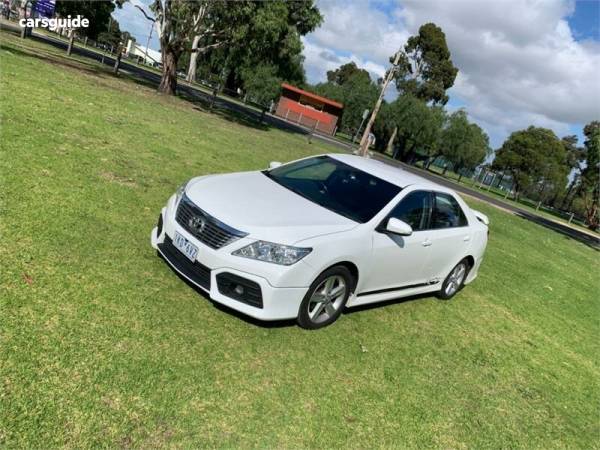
365	298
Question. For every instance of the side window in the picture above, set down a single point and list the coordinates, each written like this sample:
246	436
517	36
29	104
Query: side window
414	209
447	213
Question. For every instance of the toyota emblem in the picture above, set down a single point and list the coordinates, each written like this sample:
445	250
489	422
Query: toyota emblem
197	224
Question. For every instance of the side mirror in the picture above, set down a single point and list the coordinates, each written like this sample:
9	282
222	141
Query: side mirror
398	226
274	164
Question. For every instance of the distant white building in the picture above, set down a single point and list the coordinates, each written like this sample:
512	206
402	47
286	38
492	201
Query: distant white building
147	55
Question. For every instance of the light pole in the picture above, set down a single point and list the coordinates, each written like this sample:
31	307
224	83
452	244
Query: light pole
363	148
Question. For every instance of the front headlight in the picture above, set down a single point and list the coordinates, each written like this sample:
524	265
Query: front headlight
284	255
180	191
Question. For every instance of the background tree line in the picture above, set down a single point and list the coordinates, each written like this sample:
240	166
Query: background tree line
252	46
416	127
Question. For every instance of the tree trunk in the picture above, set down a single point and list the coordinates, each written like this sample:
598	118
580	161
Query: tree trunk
592	218
568	194
430	160
191	75
498	185
23	15
71	38
390	145
117	61
168	82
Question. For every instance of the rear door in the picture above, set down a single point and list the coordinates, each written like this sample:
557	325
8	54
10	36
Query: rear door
450	235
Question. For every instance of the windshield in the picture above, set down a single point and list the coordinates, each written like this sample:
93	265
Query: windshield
336	186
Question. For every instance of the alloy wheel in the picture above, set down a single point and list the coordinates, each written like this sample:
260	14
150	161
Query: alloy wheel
455	279
327	299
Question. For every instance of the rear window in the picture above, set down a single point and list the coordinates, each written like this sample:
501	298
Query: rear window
447	213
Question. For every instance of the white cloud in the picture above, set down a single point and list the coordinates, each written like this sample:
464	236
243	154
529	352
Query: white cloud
319	60
352	31
519	63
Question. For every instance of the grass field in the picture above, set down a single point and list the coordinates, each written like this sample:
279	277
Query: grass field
102	345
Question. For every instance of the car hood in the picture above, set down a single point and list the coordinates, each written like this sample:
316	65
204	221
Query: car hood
253	203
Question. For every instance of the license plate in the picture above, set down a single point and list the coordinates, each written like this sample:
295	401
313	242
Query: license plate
185	247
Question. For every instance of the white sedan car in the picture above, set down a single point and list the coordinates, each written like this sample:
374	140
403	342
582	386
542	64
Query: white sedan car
305	239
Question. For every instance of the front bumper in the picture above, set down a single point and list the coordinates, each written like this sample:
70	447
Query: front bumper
278	303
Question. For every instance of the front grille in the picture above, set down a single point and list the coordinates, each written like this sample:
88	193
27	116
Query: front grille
198	273
250	292
204	227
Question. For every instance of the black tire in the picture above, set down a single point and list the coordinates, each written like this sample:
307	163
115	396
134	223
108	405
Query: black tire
324	318
447	292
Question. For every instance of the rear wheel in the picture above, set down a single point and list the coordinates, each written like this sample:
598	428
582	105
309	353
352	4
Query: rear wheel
454	281
326	298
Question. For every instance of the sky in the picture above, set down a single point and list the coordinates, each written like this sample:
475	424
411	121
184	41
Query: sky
521	62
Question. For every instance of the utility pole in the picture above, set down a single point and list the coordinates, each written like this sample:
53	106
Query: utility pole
363	148
153	21
362	122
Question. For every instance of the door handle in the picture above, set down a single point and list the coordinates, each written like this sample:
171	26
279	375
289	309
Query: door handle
426	243
467	238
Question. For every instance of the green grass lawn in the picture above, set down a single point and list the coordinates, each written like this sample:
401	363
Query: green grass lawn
102	345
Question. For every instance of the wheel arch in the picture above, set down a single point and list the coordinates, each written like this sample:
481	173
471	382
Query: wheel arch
470	261
353	268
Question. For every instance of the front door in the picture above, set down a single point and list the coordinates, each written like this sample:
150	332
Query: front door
400	261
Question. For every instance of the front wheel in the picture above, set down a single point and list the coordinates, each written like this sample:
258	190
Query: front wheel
326	298
454	281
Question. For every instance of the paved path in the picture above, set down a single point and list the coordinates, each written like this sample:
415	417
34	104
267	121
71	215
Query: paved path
196	94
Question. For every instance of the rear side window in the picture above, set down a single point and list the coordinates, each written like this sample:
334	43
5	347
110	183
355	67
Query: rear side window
447	213
414	209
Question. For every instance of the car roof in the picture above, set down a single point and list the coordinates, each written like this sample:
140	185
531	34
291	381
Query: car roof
387	172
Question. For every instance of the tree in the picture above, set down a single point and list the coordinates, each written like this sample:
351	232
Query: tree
418	126
96	11
464	144
113	37
240	35
353	88
177	22
590	176
425	69
534	156
343	73
262	86
271	36
575	156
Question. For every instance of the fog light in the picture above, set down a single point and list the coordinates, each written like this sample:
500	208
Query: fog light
239	289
